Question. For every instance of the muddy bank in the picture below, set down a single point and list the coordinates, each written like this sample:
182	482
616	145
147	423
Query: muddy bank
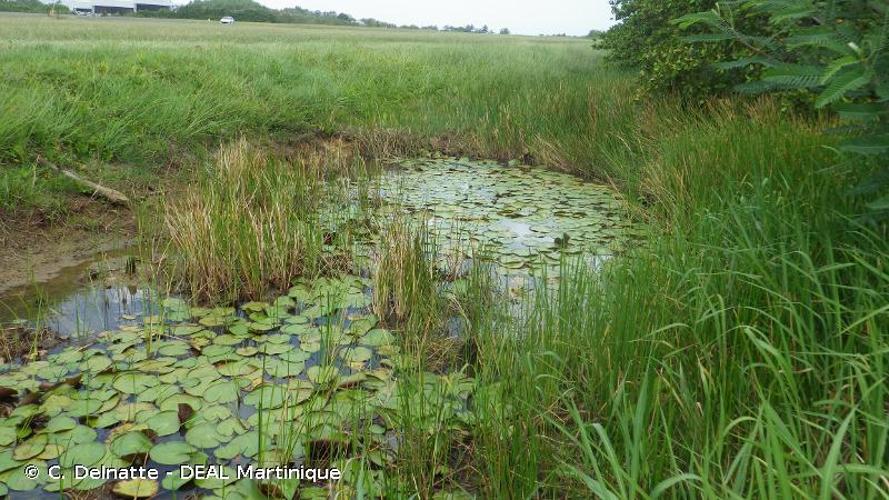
37	253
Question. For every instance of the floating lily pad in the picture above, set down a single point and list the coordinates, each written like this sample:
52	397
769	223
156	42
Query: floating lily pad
356	354
222	392
85	454
136	488
134	382
30	448
322	374
164	423
60	423
204	436
131	443
171	452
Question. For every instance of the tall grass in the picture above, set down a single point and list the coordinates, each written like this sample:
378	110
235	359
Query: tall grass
250	226
742	353
148	93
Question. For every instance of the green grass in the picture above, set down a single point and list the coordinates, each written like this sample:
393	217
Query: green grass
146	92
740	352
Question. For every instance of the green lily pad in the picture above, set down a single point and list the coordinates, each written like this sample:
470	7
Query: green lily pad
85	454
174	481
356	354
30	448
96	364
322	375
136	488
246	445
171	452
164	423
267	396
131	443
134	382
60	423
222	392
204	436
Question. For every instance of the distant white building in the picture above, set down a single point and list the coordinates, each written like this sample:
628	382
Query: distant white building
114	6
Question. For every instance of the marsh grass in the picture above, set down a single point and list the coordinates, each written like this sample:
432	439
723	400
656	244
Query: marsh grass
406	292
248	226
740	353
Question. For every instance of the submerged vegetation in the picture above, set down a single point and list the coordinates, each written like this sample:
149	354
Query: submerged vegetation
732	344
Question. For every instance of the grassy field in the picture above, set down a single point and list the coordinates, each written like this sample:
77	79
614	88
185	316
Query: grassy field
143	93
740	352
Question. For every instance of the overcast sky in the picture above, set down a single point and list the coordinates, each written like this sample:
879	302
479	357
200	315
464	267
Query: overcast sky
530	17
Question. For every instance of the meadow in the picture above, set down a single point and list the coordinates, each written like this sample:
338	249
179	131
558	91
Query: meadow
740	350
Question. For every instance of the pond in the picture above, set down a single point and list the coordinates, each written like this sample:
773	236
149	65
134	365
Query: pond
308	378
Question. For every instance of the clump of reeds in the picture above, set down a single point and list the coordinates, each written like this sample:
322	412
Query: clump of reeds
247	226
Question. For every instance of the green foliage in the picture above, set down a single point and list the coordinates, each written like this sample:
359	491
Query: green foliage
34	6
248	10
645	39
838	50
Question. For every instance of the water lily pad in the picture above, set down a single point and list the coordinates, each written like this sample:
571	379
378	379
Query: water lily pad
322	374
85	454
77	435
30	448
204	436
51	452
377	337
134	382
222	392
171	452
173	402
356	354
136	488
266	396
60	423
96	364
8	436
131	443
164	423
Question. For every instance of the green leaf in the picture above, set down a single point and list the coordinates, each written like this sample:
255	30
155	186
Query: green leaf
204	436
864	112
164	423
794	76
131	443
171	452
707	37
879	204
86	454
136	488
849	80
30	448
868	145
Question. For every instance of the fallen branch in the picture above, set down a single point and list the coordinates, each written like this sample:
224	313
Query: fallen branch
109	194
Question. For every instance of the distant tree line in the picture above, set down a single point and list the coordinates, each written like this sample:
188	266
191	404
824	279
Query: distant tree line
248	10
30	6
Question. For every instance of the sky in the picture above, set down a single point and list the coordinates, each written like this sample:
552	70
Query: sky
527	17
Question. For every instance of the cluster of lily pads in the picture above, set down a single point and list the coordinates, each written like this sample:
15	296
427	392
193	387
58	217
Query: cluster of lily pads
304	379
524	218
309	378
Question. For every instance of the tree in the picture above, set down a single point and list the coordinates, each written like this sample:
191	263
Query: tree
646	39
837	50
504	31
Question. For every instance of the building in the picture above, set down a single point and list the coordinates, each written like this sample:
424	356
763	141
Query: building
115	6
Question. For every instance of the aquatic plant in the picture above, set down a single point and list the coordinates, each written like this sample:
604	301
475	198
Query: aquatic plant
248	227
